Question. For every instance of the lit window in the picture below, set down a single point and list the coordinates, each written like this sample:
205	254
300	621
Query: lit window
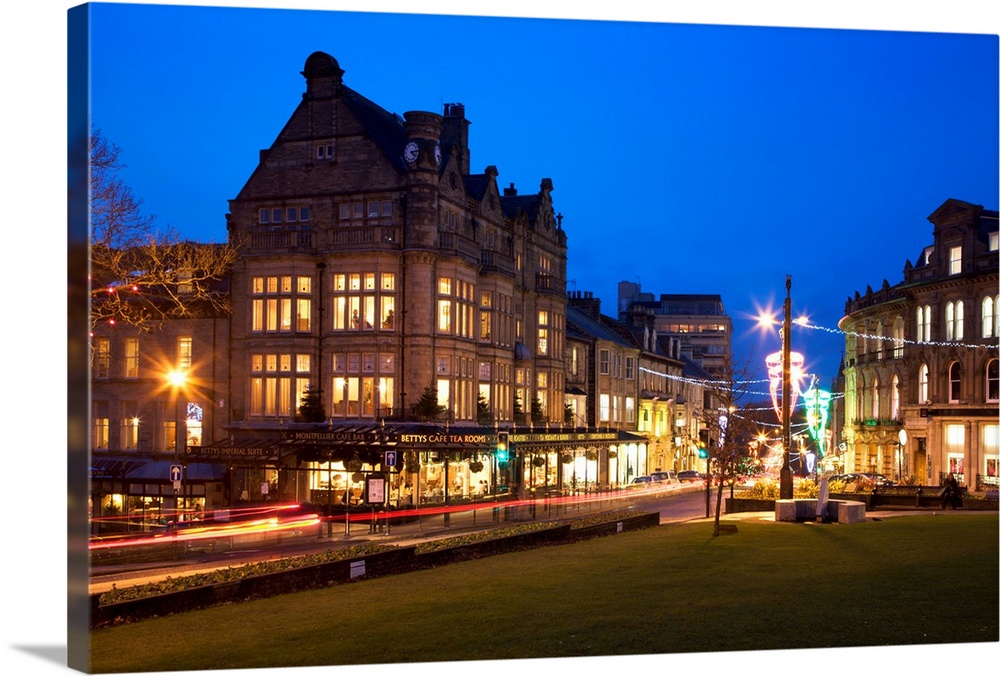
131	357
924	323
444	316
955	320
874	399
184	352
923	383
993	380
955	260
989	308
894	394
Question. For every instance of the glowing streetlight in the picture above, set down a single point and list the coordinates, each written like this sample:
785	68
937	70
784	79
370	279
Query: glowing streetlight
785	490
177	378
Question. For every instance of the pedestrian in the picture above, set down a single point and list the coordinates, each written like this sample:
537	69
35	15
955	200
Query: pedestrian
950	493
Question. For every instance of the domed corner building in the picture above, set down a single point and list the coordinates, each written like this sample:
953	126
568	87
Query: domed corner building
420	306
922	358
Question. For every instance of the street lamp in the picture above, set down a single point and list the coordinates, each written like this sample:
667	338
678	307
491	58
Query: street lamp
177	379
899	454
785	490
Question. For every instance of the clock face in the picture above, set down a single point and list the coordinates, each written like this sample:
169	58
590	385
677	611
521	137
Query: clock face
437	154
410	153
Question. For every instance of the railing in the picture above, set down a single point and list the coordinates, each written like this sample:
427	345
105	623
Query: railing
545	283
494	261
463	246
367	237
269	241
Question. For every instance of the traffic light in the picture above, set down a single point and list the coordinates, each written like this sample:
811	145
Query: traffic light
503	447
702	451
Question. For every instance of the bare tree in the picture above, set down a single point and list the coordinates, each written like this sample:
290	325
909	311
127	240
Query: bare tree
141	276
731	424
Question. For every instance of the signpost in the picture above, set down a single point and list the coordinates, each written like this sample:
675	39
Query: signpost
375	495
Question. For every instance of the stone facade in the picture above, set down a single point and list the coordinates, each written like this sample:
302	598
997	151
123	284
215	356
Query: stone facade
377	265
922	357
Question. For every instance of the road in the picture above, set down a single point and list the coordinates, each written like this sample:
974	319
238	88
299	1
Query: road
676	503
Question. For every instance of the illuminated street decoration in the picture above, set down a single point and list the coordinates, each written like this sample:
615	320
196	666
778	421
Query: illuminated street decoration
774	376
817	415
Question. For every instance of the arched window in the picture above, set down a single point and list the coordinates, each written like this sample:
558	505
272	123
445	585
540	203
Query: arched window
955	382
897	338
874	398
923	380
924	323
987	317
993	380
894	398
959	320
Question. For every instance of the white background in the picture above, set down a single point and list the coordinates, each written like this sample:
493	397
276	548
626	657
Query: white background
34	393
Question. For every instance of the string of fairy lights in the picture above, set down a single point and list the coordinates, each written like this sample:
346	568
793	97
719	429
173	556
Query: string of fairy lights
803	323
897	341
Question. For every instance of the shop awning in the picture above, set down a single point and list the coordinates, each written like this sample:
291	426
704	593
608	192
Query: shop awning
113	467
159	470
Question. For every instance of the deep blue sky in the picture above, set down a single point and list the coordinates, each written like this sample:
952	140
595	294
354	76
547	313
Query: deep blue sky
690	158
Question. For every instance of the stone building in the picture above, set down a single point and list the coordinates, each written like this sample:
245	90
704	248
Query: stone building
698	321
922	358
155	395
424	302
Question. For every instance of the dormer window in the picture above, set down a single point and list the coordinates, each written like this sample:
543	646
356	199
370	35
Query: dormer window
955	260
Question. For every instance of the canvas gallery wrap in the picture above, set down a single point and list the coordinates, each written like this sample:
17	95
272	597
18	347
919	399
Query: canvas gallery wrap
343	392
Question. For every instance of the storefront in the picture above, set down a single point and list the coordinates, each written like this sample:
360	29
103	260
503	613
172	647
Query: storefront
426	464
130	494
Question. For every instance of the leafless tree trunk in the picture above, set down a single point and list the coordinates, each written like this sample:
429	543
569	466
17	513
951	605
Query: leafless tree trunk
731	424
141	276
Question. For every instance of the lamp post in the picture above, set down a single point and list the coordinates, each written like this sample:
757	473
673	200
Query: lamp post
177	380
785	490
899	454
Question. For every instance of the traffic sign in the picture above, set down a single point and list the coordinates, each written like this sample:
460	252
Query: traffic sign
176	472
390	459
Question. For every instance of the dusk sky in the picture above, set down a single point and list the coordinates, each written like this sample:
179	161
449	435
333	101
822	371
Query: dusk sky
692	158
688	158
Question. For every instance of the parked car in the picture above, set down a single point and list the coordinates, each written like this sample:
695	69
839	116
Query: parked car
690	475
664	477
879	480
641	482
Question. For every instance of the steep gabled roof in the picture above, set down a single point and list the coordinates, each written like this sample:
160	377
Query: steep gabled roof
584	324
385	129
514	204
476	185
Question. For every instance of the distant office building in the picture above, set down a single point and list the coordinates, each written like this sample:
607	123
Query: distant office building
698	321
922	357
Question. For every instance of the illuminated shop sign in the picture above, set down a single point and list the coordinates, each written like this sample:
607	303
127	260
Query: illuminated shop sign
235	451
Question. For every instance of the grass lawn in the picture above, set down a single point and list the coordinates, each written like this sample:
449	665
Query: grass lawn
669	589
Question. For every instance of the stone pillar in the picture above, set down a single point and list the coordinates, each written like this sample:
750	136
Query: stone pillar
973	461
421	154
